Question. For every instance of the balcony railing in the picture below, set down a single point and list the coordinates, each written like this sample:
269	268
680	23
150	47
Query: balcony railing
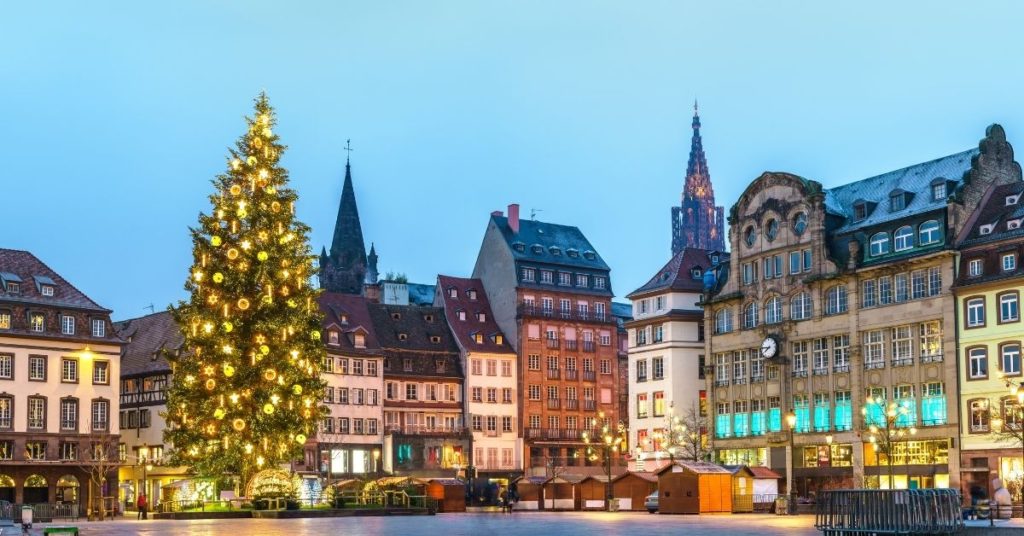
721	382
589	376
526	309
571	345
553	433
800	373
588	346
757	378
572	374
425	430
739	381
572	403
821	371
589	405
841	369
903	362
552	343
871	365
931	358
554	403
554	374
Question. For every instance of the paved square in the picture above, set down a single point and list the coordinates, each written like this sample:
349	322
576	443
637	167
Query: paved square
518	524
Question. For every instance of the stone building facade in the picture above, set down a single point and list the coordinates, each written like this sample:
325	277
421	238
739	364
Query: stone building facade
835	297
59	364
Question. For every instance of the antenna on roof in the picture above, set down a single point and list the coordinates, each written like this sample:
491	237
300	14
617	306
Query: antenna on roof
151	307
533	213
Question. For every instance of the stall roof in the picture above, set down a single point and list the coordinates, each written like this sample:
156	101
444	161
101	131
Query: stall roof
764	472
696	467
650	477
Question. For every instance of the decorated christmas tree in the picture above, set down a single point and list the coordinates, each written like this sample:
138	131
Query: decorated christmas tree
246	388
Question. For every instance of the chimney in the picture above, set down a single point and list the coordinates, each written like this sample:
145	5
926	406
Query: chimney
513	217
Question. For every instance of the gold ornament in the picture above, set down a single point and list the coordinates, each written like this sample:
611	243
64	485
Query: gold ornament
219	413
212	300
243	304
239	425
271	190
300	439
232	253
315	335
235	164
292	304
215	241
229	371
284	291
246	245
267	133
275	206
297	389
267	299
268	408
262	256
260	339
218	277
264	349
228	326
263	236
251	160
210	384
257	143
208	327
236	189
242	213
269	374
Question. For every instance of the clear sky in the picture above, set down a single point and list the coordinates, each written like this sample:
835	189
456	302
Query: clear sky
117	115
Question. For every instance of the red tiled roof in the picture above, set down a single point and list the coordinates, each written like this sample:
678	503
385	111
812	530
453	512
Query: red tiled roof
147	338
350	314
27	267
675	275
464	330
763	472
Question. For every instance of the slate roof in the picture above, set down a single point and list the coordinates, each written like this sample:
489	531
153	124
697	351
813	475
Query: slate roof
696	467
349	313
996	211
622	310
419	325
547	235
676	276
27	268
464	330
916	179
147	338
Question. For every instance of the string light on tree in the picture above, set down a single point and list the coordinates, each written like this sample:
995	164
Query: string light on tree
256	357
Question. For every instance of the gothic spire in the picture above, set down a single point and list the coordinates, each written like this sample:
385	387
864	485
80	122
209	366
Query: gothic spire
697	221
698	164
345	266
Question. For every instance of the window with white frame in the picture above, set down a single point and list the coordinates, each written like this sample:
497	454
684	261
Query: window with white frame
67	324
723	320
902	353
841	351
879	244
975	267
800	349
1009	358
820	349
739	367
801	307
868	293
99	328
931	340
977	363
975	312
37	321
874	349
1008	261
1009	307
836	300
750	315
903	238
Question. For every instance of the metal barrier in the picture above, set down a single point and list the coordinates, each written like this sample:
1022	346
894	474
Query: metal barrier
923	511
42	513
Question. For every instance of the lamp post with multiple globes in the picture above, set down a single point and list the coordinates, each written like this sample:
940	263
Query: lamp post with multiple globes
791	423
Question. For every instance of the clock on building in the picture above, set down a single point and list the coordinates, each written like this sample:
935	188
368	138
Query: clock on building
769	348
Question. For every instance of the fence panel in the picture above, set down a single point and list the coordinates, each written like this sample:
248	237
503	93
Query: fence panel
934	511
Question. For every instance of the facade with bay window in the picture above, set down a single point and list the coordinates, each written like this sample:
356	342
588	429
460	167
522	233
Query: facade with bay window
991	336
869	316
59	367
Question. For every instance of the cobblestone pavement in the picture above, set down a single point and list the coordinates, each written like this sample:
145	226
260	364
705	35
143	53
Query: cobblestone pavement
518	524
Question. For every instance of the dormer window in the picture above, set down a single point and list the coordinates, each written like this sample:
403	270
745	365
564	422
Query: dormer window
471	293
332	337
440	366
359	340
537	249
403	336
478	338
407	365
590	254
714	259
519	246
435	339
898	200
14	288
547	277
498	339
572	252
939	190
37	322
461	315
428	318
555	250
696	273
344	320
986	229
453	292
1012	199
861	209
46	290
396	316
482	317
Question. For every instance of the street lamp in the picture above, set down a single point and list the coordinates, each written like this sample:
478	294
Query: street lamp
1008	423
791	423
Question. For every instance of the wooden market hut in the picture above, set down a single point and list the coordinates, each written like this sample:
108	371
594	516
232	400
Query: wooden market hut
529	490
450	494
632	488
694	488
562	492
592	491
742	488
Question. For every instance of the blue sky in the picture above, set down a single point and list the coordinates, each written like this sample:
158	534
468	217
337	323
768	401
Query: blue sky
117	115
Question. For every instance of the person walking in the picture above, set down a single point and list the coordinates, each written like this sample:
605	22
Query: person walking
142	505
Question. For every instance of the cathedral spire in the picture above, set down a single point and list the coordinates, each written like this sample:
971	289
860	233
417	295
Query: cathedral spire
697	222
344	268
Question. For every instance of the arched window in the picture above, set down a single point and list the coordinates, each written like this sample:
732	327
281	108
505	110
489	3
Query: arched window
1009	307
975	312
928	233
771	229
723	321
801	307
835	300
773	310
879	244
904	238
1009	358
800	223
977	363
750	315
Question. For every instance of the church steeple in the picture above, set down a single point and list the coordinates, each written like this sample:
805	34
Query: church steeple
343	269
697	222
371	271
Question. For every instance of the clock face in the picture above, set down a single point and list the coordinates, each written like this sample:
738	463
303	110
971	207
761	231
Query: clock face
769	347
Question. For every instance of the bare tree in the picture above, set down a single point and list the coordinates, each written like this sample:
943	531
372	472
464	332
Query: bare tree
688	435
99	462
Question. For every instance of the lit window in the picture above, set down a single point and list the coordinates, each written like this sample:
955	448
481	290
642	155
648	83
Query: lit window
37	322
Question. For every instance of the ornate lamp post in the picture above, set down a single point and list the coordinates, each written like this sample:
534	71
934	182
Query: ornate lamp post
791	423
607	443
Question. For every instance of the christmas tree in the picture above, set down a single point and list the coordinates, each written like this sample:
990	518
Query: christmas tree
246	389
